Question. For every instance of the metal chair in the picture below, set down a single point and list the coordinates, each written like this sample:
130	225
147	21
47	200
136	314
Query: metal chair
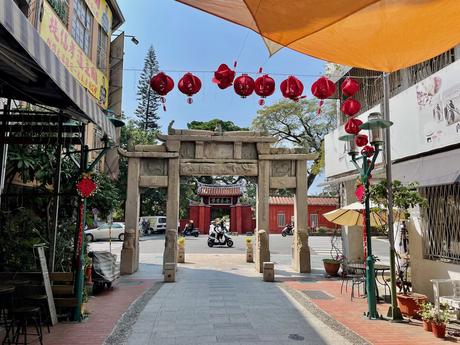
351	275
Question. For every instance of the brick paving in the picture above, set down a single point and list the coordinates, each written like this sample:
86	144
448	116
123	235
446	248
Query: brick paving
350	314
104	311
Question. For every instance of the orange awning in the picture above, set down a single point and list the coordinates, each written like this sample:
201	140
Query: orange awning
381	35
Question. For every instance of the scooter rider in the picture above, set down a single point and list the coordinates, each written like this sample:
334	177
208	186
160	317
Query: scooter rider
189	227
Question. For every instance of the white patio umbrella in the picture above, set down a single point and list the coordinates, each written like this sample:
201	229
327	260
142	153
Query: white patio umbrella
353	214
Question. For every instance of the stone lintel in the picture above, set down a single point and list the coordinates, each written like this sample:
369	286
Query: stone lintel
153	181
282	182
220	161
263	148
217	138
289	156
227	169
172	144
150	148
131	154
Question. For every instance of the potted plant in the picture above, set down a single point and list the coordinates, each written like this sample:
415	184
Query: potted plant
440	318
426	314
332	265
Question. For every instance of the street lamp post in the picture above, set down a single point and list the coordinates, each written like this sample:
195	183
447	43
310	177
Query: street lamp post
375	124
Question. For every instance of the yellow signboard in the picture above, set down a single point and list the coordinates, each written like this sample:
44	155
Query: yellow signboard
55	34
101	13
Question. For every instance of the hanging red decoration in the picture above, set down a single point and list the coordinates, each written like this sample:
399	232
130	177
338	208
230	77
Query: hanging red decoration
162	84
368	151
244	85
323	88
292	88
264	87
189	85
350	107
86	187
359	192
352	126
224	76
349	87
361	140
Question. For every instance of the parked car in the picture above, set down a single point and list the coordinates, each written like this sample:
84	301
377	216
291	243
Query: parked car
152	224
102	232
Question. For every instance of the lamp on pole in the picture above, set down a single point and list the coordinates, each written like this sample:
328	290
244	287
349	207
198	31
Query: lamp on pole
365	164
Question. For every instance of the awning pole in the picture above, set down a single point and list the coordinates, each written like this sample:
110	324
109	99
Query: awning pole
393	312
4	148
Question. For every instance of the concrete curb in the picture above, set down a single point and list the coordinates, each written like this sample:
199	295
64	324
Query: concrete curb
124	325
342	330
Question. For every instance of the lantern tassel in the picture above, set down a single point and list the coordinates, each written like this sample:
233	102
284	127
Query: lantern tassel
321	102
163	101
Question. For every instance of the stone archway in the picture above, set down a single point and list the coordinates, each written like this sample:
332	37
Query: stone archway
208	153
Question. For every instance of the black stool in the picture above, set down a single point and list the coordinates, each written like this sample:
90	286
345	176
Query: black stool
21	317
6	302
41	301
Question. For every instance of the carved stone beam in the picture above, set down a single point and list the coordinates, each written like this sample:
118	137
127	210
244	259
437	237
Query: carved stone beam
131	154
289	156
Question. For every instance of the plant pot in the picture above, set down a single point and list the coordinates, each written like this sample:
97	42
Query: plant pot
427	325
439	329
409	304
331	268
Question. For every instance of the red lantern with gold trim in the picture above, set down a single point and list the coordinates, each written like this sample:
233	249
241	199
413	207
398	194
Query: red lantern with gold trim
349	87
361	140
244	85
350	107
223	77
352	126
162	84
292	88
264	87
189	85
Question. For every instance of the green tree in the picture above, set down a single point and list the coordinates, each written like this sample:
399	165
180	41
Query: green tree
211	125
297	124
148	101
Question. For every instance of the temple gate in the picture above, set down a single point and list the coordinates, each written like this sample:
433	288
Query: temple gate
216	153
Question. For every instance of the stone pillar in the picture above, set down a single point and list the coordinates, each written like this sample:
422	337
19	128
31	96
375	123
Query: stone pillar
262	209
130	252
301	251
172	210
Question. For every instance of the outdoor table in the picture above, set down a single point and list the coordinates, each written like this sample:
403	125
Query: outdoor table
379	270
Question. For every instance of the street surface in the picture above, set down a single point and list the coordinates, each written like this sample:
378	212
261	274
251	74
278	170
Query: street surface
280	247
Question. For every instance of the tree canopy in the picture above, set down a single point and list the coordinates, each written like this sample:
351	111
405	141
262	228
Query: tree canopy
211	125
297	124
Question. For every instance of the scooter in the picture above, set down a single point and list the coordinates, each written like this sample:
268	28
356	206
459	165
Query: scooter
288	230
225	239
187	232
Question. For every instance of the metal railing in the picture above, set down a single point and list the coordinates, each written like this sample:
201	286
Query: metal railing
441	223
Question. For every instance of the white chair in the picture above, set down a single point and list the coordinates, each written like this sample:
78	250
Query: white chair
454	300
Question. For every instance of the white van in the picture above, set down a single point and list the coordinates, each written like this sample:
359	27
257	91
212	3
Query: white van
152	224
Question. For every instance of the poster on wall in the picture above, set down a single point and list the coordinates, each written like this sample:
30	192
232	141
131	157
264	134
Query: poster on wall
439	112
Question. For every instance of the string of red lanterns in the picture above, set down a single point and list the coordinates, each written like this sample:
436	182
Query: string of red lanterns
264	86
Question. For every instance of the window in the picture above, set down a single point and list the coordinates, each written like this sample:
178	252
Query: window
313	220
81	26
102	43
441	223
281	219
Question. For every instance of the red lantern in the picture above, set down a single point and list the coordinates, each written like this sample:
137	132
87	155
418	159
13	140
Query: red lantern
189	85
349	87
292	88
162	84
244	85
223	77
323	88
352	126
368	151
264	87
360	191
350	107
361	140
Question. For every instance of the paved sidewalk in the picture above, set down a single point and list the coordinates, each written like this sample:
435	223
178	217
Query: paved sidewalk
219	299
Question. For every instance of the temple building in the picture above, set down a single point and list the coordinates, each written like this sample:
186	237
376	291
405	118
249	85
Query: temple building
218	201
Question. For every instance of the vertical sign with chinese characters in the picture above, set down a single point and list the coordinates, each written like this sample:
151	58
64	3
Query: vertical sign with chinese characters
61	42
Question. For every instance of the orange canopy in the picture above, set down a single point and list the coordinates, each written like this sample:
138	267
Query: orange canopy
382	35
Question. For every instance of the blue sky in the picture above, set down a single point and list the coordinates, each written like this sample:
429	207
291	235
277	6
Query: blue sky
186	39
